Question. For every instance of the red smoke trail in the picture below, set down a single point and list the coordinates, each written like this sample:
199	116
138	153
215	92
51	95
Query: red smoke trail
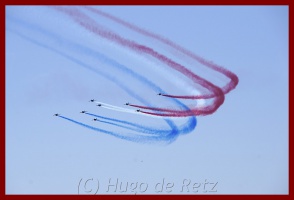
204	96
196	112
227	88
173	113
88	23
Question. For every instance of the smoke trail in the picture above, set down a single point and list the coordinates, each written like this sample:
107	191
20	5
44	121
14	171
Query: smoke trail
170	112
112	78
134	138
226	89
111	107
119	109
99	56
126	127
191	124
125	110
86	22
137	126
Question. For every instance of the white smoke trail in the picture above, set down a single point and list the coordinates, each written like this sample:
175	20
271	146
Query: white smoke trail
126	110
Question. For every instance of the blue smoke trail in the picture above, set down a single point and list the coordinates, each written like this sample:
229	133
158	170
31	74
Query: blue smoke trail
172	133
138	127
157	132
185	129
137	138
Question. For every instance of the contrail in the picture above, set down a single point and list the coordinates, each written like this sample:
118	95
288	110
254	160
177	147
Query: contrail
114	63
233	77
166	139
125	110
116	108
138	127
144	131
174	132
88	24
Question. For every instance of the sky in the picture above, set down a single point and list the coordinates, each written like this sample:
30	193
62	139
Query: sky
56	64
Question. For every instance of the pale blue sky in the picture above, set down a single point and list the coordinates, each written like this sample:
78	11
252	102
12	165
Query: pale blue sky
243	146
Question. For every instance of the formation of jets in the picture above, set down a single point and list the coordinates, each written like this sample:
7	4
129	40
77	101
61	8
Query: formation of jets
92	100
